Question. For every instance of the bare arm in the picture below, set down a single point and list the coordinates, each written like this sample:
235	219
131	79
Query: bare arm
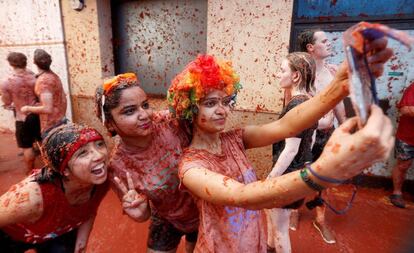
45	107
5	95
326	121
83	235
301	117
286	156
345	155
221	190
307	113
339	112
407	110
23	202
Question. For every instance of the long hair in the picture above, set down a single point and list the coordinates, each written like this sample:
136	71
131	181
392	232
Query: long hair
305	65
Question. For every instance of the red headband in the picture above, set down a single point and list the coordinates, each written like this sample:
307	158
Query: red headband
86	135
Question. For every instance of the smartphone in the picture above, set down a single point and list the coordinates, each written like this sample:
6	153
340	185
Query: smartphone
363	90
362	84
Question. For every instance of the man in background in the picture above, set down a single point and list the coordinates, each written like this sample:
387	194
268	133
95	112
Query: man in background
316	43
17	91
52	100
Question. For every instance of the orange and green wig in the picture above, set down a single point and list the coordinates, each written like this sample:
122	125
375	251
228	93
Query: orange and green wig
201	76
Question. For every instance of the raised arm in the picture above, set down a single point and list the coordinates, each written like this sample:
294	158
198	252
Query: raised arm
21	204
301	117
286	156
222	190
307	113
346	155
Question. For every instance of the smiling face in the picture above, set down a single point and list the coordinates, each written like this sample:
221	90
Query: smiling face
213	110
133	115
321	48
88	163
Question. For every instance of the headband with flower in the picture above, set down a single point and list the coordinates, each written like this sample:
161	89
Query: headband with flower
200	76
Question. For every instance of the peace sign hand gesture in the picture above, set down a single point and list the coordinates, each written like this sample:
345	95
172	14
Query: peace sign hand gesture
133	203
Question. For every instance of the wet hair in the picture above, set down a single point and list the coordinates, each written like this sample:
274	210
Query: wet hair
17	60
42	59
305	64
59	146
306	37
107	100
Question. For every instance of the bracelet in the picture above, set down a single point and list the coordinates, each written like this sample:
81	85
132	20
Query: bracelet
309	182
323	178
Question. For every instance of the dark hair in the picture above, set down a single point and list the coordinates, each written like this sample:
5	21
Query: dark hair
306	37
305	64
42	59
112	98
17	60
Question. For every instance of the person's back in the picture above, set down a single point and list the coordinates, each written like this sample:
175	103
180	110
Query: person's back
20	86
49	82
48	88
17	92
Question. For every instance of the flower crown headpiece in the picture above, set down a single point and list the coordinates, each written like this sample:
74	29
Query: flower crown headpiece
202	75
112	83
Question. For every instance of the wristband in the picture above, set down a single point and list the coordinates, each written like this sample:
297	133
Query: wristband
323	178
309	182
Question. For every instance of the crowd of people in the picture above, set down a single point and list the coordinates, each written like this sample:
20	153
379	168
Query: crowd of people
181	168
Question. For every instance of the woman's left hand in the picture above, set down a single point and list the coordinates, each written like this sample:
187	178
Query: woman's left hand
133	203
347	153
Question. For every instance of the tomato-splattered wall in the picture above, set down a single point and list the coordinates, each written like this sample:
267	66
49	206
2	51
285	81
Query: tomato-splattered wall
253	34
88	37
25	26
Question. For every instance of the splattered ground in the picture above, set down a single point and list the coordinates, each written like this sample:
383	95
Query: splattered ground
372	225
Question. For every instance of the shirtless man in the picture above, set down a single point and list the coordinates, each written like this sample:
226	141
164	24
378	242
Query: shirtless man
17	91
318	46
49	90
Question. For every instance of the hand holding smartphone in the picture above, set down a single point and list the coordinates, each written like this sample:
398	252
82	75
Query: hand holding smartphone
363	90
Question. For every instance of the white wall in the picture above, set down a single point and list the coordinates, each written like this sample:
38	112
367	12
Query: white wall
26	25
